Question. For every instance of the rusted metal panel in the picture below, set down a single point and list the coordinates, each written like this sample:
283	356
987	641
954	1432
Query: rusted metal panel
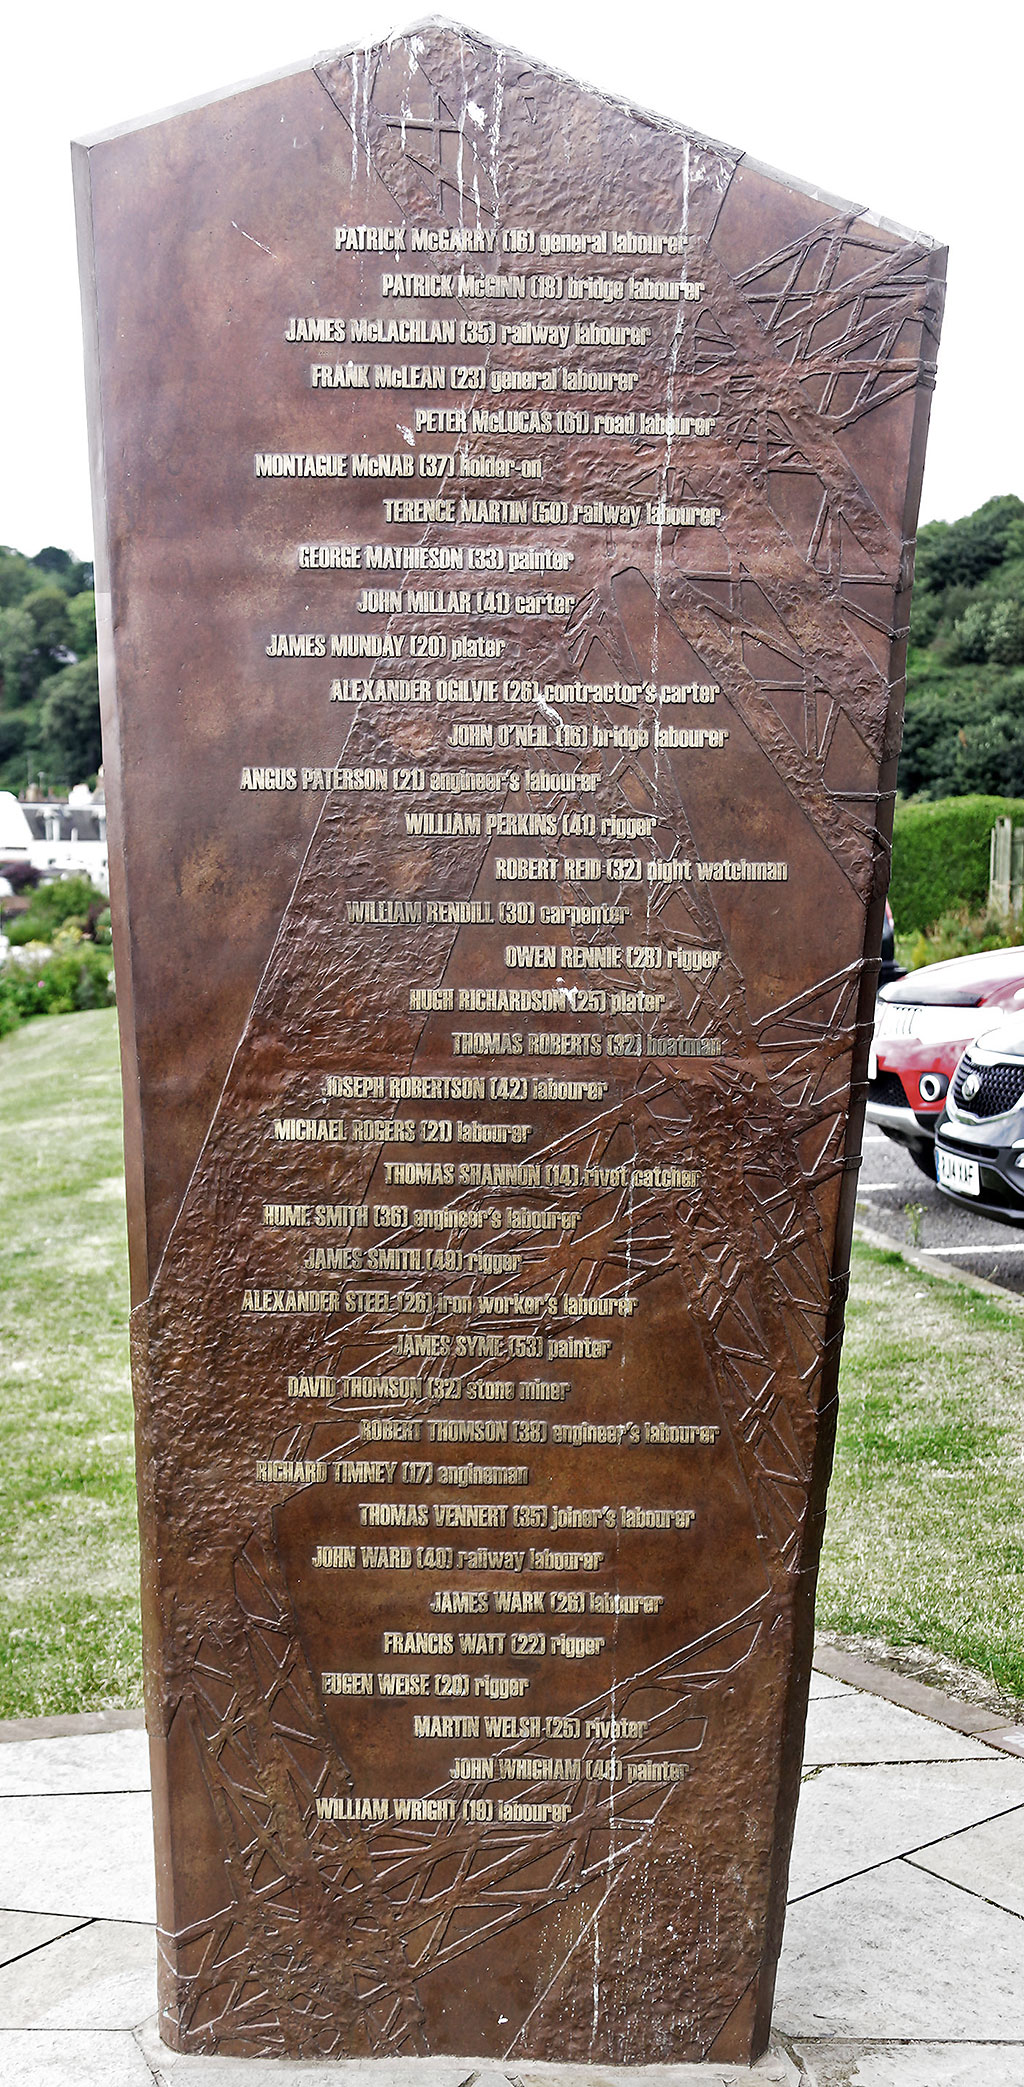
507	505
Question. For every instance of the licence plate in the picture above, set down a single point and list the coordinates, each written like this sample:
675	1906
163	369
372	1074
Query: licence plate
954	1172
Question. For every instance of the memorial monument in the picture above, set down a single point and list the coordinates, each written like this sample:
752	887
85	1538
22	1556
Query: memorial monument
506	501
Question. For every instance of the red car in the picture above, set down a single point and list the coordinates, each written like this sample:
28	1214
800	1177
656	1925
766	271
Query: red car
922	1024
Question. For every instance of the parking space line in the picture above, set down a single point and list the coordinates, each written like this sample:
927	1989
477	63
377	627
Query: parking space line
867	1188
1011	1246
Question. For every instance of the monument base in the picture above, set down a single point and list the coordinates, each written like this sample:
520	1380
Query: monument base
775	2069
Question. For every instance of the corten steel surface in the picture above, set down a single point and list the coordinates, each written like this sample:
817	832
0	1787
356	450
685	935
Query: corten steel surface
333	1879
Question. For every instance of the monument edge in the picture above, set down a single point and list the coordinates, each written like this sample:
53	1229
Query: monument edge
110	719
846	1216
635	109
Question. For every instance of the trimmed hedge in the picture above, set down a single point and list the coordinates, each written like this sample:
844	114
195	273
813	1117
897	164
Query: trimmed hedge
940	856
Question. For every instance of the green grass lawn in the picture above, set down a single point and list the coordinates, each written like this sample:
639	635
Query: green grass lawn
69	1625
925	1537
925	1540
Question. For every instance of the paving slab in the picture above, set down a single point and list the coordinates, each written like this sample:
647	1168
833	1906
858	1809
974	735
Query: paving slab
867	1728
911	2065
71	2058
850	1819
823	1685
172	2069
903	1955
22	1932
87	1761
91	1855
101	1976
19	1933
986	1859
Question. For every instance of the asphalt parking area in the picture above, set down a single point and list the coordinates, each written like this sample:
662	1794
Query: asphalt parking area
897	1201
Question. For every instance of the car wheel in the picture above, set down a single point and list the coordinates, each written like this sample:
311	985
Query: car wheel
923	1157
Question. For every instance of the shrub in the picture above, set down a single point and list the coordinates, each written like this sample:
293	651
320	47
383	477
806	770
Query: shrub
65	982
940	857
68	898
964	934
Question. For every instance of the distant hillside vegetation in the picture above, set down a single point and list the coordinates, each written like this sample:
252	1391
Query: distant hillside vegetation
49	691
963	732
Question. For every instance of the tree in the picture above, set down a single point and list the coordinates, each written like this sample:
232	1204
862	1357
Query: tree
971	633
990	759
48	608
965	551
13	733
47	625
82	618
73	574
51	559
17	576
1006	633
35	638
17	651
70	721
